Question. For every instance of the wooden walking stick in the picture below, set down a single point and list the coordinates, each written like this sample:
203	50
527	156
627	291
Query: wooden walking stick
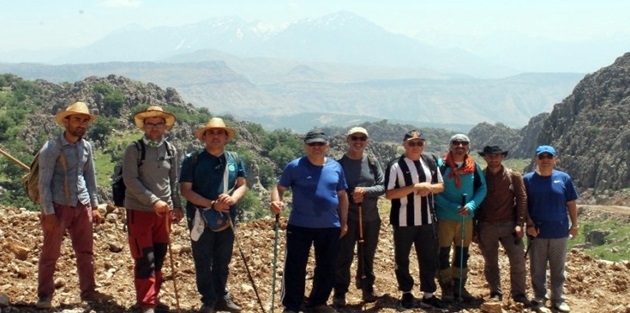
275	259
10	157
170	254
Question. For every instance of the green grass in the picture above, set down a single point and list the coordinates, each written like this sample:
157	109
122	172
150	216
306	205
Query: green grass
615	248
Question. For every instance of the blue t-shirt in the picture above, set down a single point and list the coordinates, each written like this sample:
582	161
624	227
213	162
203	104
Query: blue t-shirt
314	188
547	198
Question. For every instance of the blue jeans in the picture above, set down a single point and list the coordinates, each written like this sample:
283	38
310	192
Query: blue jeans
298	246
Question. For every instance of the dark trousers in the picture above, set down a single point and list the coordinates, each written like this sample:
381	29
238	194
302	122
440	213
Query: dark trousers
424	239
298	246
212	254
365	256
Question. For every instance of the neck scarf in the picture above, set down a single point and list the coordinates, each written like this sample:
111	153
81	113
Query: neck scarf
152	143
467	168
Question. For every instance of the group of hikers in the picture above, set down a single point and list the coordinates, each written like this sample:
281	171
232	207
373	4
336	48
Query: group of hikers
438	206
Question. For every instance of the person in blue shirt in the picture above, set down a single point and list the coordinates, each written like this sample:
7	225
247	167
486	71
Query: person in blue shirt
551	203
318	218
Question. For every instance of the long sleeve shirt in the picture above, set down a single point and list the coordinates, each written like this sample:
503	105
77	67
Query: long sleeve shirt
506	199
79	176
152	179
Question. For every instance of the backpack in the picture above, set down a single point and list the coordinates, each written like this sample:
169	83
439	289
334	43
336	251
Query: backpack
118	184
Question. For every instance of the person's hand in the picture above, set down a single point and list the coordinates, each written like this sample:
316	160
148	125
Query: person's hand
178	215
532	231
277	207
161	207
49	222
344	230
518	232
463	211
97	218
422	189
357	194
573	232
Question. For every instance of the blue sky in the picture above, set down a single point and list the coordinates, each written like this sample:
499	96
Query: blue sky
38	24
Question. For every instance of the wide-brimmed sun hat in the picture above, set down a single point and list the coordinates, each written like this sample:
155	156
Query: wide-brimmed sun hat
492	150
154	111
75	108
215	122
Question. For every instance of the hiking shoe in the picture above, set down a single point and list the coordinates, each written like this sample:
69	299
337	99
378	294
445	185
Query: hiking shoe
95	296
148	310
465	295
407	300
520	299
434	302
371	296
322	308
44	303
289	311
495	297
562	307
538	303
206	309
339	300
226	304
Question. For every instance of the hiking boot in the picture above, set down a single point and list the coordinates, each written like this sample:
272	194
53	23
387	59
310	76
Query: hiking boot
339	300
371	296
95	296
495	297
434	302
447	292
159	308
322	308
206	309
148	310
44	303
289	311
562	307
520	299
464	295
406	301
538	303
226	304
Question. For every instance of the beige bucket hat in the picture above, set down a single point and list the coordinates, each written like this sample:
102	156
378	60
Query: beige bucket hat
75	108
215	122
154	111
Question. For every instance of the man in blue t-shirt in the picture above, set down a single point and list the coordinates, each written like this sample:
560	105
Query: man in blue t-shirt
318	218
550	195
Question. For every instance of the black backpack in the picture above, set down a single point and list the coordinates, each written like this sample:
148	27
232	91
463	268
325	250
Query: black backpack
118	185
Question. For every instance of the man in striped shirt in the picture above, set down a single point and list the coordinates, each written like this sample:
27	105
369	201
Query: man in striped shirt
411	182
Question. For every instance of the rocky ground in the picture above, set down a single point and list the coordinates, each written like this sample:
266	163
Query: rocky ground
591	285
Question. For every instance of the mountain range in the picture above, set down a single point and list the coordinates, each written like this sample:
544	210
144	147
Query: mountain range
339	69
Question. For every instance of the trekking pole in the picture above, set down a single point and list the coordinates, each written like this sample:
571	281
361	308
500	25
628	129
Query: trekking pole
249	273
10	157
530	239
170	254
275	259
360	252
461	253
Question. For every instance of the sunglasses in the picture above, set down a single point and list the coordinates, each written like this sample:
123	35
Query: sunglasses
316	144
359	138
457	143
415	143
545	156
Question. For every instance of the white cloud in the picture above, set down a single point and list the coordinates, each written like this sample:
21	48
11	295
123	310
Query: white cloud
121	3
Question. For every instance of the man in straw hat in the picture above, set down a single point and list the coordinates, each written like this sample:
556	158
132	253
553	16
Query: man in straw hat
67	186
150	169
213	178
501	219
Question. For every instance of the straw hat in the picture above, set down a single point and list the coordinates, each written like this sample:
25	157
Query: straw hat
215	122
75	108
154	111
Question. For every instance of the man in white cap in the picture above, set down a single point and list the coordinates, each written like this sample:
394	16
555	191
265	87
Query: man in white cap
150	169
67	186
464	190
216	179
365	180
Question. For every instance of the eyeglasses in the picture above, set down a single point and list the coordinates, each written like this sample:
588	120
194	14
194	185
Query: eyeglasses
154	125
545	156
316	144
359	138
415	143
457	143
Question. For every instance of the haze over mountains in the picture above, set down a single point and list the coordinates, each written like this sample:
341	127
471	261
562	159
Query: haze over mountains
338	69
